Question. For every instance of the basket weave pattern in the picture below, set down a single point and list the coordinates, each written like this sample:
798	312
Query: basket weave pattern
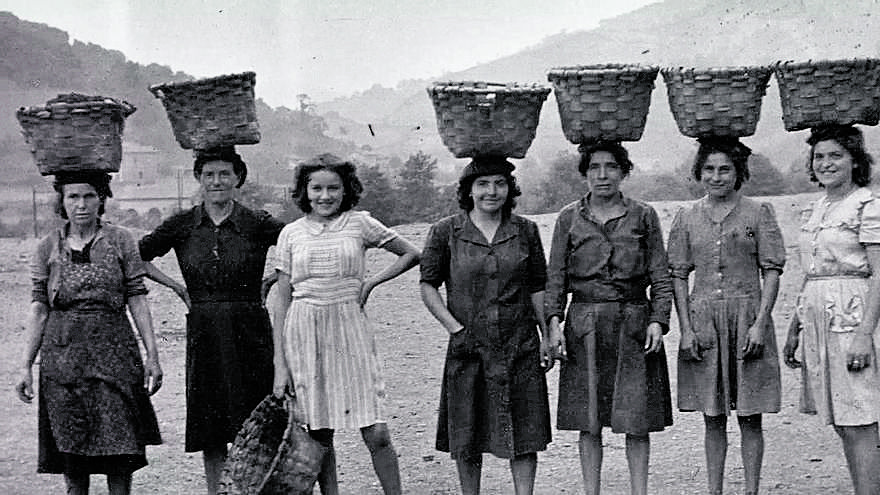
207	113
829	92
272	454
603	102
75	132
487	119
716	101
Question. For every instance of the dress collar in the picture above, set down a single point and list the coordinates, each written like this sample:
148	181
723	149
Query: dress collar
234	219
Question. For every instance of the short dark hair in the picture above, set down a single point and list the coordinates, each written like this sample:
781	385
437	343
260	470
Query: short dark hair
99	180
466	202
621	156
737	152
347	171
221	154
849	138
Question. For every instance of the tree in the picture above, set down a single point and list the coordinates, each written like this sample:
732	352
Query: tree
415	190
563	184
378	197
765	180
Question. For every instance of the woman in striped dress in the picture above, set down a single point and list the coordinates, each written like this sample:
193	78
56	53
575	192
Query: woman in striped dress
325	352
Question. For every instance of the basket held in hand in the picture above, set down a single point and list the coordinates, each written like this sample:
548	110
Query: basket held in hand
272	454
603	102
75	132
820	92
487	119
716	101
213	112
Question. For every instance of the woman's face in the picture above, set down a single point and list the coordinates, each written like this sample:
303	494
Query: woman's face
832	164
81	203
604	175
489	193
325	191
218	181
718	176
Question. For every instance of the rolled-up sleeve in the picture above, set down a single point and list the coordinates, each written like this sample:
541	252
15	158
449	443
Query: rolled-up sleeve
133	268
681	261
771	246
434	264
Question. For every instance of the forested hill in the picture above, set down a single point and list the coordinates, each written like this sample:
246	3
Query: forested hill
40	61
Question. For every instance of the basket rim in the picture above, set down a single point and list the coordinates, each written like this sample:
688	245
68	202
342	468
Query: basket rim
603	69
722	70
101	104
782	65
249	75
487	87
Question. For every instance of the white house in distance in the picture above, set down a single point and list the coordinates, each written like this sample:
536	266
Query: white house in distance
140	164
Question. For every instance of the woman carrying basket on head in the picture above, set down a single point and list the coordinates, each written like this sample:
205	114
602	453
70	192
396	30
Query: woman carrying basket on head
325	353
221	249
95	414
728	359
835	323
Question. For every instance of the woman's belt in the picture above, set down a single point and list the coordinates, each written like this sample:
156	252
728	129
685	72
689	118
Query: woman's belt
835	276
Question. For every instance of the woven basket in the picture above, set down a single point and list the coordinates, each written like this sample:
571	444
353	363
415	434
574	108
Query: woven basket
829	92
716	101
603	102
487	119
75	132
207	113
272	454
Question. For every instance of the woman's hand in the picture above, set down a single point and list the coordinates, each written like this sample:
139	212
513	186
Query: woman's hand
858	356
547	360
152	375
754	347
556	341
688	347
791	343
654	338
25	386
366	288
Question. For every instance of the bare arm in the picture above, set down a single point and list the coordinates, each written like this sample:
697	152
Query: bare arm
36	324
143	321
688	344
158	276
434	302
546	355
282	374
859	354
755	341
407	257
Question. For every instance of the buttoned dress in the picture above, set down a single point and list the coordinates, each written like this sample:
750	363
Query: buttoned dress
727	259
608	270
493	398
228	334
832	304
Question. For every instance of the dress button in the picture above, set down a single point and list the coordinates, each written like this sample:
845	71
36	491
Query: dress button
718	242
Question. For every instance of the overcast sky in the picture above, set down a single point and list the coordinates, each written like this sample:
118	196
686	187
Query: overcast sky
324	48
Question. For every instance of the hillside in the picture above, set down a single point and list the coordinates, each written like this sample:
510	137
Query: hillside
668	33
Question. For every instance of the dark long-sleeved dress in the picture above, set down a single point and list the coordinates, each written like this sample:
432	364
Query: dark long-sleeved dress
229	337
608	380
94	414
494	394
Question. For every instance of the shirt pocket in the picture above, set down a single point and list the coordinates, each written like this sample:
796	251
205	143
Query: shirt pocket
629	256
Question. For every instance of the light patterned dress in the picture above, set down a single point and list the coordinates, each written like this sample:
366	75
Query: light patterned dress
831	307
328	343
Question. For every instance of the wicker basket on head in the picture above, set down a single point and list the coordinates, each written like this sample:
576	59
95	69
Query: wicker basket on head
75	132
716	101
207	113
272	454
603	102
829	92
482	118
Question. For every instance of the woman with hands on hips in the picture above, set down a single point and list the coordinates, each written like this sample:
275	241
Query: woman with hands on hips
325	352
608	253
728	359
835	322
494	393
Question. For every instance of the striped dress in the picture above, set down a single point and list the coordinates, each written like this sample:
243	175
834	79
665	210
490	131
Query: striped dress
328	342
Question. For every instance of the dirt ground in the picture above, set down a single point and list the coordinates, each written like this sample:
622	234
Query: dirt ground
802	456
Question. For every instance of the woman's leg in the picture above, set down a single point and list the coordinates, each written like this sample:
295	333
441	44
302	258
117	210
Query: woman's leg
77	484
590	447
523	467
378	441
862	450
637	453
119	484
752	450
213	458
715	441
469	470
327	480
